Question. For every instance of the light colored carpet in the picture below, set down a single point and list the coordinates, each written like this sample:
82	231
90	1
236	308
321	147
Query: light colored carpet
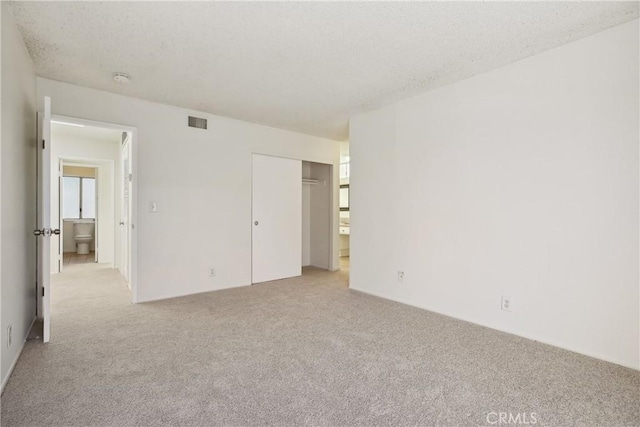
304	351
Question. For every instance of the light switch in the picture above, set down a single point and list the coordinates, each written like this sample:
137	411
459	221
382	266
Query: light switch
153	207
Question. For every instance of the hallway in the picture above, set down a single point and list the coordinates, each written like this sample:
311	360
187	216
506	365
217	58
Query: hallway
74	258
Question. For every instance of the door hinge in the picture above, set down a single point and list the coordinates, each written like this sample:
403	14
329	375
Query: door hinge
43	144
42	291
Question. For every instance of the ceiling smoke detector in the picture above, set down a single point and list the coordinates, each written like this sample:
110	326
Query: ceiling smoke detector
121	78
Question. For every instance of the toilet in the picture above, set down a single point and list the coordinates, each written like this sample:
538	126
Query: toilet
82	234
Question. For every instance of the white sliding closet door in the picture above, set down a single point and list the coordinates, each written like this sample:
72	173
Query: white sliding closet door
276	218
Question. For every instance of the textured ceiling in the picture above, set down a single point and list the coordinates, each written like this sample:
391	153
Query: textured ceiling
304	66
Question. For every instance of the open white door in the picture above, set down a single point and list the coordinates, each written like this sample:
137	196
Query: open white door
276	218
44	219
58	265
125	236
44	230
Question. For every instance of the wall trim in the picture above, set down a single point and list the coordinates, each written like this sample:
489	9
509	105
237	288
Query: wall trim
180	295
496	328
15	360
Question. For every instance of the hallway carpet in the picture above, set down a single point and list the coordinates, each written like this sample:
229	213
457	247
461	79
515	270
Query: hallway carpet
302	351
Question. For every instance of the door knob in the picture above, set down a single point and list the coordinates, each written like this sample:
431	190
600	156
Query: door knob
38	232
121	222
255	223
56	231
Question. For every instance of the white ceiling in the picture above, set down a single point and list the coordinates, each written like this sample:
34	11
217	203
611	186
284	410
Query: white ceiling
304	66
88	133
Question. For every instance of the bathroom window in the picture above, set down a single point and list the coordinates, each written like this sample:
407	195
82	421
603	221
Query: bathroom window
345	170
79	197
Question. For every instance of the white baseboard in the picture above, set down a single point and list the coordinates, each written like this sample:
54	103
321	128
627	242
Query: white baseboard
5	380
497	328
180	295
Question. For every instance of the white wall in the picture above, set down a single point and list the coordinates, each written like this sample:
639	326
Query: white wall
520	182
105	155
197	177
18	189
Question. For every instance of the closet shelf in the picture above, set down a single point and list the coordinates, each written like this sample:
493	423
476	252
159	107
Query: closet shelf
310	181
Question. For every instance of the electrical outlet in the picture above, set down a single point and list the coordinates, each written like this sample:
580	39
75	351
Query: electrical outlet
212	272
9	335
506	303
400	276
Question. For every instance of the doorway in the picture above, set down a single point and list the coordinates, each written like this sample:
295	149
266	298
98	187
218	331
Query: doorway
345	207
81	160
92	183
316	215
84	194
78	202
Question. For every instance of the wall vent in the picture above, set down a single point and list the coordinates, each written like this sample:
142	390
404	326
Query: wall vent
197	122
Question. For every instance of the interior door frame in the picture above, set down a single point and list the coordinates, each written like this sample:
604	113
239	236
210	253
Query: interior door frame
84	162
133	213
